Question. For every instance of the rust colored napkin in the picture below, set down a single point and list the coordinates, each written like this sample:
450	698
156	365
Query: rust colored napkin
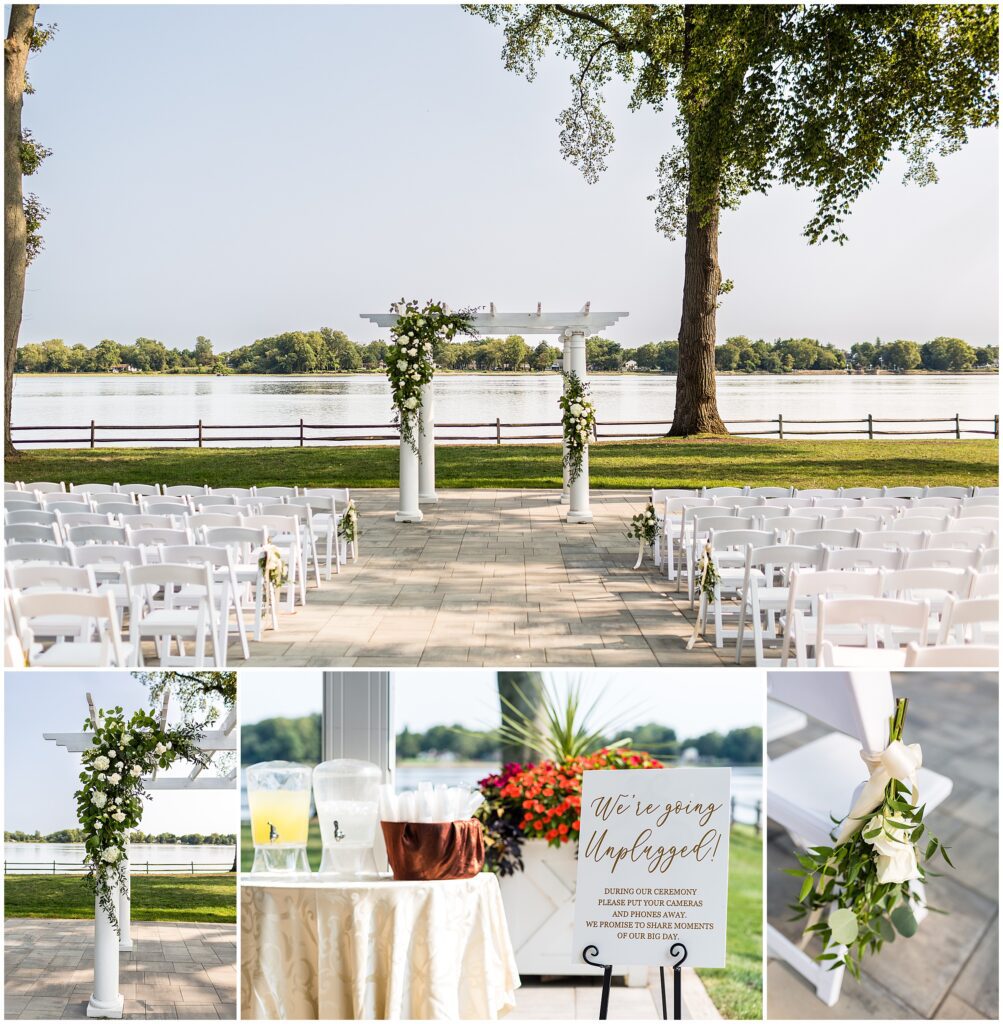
425	851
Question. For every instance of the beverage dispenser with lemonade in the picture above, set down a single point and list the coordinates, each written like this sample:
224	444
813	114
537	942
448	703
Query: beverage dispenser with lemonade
278	795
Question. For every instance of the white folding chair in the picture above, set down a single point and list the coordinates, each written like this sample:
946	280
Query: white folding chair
861	492
273	492
988	560
806	589
185	490
816	492
937	557
910	519
947	491
816	782
851	522
729	549
93	488
16	502
65	503
123	509
139	490
880	617
984	584
966	539
155	538
672	514
94	640
44	487
710	492
787	526
324	521
32	516
772	492
988	524
244	492
861	559
198	521
31	533
53	554
159	507
308	539
978	508
904	492
903	540
68	519
172	602
953	656
97	535
245	544
970	621
825	537
947	504
225	590
107	562
704	521
284	532
763	602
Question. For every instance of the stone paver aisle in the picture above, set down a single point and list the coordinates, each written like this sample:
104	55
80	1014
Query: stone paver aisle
176	970
490	577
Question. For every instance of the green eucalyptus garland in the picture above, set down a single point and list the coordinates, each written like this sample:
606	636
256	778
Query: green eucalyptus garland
578	420
411	356
110	797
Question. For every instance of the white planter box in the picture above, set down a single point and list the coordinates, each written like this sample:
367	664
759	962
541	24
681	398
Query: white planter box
540	909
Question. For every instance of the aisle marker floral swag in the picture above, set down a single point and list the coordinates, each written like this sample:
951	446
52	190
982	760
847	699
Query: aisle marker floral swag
708	580
410	357
110	797
866	875
348	524
541	801
644	529
273	567
578	421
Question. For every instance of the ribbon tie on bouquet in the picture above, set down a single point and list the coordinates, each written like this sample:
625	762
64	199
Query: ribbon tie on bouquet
899	761
640	552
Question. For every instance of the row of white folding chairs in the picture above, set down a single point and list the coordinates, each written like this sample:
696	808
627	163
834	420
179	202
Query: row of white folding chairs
229	555
318	517
180	490
780	491
841	531
754	566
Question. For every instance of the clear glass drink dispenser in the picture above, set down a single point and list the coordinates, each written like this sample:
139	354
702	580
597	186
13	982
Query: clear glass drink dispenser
278	794
346	793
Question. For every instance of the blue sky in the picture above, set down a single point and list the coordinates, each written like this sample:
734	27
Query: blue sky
236	171
692	701
40	777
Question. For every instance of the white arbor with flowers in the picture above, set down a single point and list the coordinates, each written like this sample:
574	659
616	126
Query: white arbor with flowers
417	467
106	1000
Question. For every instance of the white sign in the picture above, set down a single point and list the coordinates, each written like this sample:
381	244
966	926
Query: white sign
653	865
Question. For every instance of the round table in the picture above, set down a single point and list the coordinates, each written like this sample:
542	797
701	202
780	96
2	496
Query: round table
374	950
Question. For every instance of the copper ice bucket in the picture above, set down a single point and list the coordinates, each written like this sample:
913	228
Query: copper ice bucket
427	851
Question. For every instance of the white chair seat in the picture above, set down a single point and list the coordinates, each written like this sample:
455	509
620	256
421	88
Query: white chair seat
818	779
867	657
782	720
175	621
81	654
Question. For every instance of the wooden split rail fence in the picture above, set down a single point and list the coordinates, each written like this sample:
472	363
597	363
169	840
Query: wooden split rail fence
58	867
302	434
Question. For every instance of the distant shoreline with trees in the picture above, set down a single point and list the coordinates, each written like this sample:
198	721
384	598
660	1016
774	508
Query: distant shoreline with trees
328	351
76	835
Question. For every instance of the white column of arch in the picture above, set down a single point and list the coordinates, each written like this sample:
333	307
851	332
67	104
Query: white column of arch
565	486
579	511
407	506
105	1000
426	446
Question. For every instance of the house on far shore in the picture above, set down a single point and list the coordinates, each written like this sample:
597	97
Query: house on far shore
630	366
124	368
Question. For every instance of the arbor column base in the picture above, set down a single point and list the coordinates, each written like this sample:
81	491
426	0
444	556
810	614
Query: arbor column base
112	1010
428	499
579	517
408	517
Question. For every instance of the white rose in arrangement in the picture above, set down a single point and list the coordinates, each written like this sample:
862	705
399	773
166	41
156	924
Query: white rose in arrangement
412	351
411	402
901	867
576	410
160	748
99	800
118	799
126	739
170	745
119	816
101	762
112	753
135	771
110	855
114	778
118	765
401	364
420	322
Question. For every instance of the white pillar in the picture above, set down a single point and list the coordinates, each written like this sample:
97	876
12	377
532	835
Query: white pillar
565	487
426	446
106	1000
125	910
579	511
408	511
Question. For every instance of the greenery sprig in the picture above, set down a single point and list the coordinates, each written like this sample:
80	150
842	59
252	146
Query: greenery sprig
411	356
866	881
707	574
644	526
110	797
348	524
578	421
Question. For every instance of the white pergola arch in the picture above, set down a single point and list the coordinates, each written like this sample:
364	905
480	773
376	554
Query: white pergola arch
106	1000
417	471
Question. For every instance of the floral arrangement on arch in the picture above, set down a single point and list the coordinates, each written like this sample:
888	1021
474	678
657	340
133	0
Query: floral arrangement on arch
644	529
410	357
348	524
110	797
578	421
865	878
541	801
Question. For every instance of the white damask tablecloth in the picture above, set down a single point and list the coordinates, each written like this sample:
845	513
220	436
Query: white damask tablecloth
382	950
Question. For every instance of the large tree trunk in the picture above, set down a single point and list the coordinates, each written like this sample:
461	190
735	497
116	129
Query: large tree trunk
524	691
15	234
696	385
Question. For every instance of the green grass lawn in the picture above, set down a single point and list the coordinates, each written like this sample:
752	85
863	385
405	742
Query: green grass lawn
737	991
313	846
630	464
154	897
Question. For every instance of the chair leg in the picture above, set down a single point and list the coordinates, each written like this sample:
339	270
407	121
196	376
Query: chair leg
740	633
718	619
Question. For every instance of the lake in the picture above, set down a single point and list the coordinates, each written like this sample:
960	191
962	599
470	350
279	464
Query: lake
464	398
27	855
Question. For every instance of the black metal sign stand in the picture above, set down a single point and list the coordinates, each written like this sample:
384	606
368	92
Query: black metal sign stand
677	950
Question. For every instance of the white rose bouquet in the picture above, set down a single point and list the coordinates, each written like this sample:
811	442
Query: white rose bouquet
410	357
273	566
643	529
578	421
109	804
348	524
865	878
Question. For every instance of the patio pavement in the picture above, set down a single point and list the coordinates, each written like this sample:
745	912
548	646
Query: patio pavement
176	970
949	969
490	577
